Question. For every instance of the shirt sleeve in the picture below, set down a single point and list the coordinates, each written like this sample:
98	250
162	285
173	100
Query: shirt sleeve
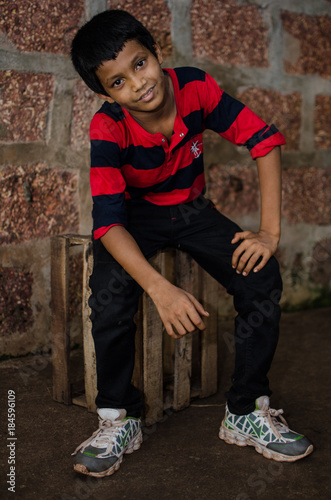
106	179
237	123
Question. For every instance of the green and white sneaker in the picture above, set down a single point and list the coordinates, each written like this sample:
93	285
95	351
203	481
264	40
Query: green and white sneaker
102	454
270	436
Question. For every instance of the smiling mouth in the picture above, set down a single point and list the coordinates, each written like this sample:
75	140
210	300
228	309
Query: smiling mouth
144	96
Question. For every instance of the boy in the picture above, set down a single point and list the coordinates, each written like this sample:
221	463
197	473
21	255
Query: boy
146	177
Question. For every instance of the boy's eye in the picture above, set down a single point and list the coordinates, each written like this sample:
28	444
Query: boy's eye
140	63
117	83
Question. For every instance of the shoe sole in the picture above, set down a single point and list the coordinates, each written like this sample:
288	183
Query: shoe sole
133	446
233	437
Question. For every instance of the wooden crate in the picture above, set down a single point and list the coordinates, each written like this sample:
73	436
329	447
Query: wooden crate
168	372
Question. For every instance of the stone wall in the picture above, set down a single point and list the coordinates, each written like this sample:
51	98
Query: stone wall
273	55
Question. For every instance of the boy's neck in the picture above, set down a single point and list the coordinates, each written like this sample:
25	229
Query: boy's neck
162	119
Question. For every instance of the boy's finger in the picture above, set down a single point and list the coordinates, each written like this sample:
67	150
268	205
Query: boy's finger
239	236
170	331
188	326
237	254
199	307
261	264
246	260
196	319
250	264
198	322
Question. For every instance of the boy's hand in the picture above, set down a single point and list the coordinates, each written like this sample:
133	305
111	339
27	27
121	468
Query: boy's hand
253	247
179	311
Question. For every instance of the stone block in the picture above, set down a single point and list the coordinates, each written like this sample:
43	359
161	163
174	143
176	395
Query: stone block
234	189
227	33
320	268
155	16
16	313
284	110
36	202
306	192
307	195
85	104
47	26
307	44
323	122
25	99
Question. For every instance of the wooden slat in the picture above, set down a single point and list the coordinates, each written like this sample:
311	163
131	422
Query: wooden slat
60	319
76	239
185	271
152	354
209	347
137	377
90	374
169	272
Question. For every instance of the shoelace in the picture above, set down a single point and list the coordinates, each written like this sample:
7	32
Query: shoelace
104	437
271	414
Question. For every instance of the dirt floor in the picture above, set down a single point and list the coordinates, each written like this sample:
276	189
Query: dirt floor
182	456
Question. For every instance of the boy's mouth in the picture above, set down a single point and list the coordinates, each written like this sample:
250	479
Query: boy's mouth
148	95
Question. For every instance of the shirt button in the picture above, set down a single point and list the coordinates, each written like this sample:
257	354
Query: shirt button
181	134
163	140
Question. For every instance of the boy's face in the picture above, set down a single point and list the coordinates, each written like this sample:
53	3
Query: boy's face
134	79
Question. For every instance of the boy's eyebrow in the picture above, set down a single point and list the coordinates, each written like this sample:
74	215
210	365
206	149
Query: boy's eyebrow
133	60
112	79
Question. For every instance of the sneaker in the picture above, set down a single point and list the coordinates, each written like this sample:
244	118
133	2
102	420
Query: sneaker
270	436
101	455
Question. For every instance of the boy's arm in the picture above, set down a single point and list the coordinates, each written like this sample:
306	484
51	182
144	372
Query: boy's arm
262	244
179	310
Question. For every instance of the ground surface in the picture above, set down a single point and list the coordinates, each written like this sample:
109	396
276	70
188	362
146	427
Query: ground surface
182	457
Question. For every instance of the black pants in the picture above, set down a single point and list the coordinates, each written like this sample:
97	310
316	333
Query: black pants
200	230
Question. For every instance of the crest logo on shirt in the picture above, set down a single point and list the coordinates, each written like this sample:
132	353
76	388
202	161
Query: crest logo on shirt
196	150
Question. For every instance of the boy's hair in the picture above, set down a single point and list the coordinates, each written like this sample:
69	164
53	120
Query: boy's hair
101	39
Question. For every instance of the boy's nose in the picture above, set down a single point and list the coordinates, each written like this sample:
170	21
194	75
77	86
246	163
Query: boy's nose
138	84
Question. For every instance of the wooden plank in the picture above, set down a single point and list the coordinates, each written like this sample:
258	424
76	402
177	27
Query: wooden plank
169	272
185	270
60	319
152	354
209	344
90	374
138	376
77	239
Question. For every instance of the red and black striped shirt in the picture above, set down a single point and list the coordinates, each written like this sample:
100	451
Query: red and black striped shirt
129	163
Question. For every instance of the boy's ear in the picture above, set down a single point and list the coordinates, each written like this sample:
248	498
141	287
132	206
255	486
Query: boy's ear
158	53
106	98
